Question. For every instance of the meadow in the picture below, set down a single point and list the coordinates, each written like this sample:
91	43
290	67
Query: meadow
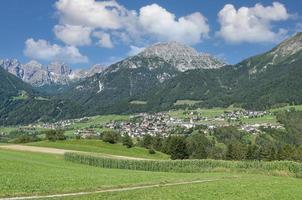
23	173
247	187
26	174
98	146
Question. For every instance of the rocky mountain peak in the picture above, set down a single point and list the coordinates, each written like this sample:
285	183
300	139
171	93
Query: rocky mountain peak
289	46
38	74
59	68
181	56
13	66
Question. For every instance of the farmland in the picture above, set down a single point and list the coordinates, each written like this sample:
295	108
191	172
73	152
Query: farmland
246	187
26	174
98	146
34	173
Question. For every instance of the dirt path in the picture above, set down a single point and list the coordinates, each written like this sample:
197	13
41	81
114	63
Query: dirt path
110	190
18	147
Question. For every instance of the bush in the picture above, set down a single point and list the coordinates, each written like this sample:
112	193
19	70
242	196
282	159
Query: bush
127	141
53	135
25	139
110	137
151	151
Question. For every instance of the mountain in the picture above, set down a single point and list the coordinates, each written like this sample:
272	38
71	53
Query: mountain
79	74
20	103
259	82
159	76
54	74
11	86
181	57
271	78
135	76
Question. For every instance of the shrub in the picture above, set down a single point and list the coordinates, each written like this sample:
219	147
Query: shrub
151	151
110	137
25	139
127	141
53	135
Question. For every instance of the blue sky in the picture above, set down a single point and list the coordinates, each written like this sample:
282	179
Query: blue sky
86	32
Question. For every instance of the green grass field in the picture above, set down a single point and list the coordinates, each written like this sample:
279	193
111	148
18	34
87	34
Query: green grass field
23	173
98	146
98	120
186	102
265	119
296	107
246	187
138	102
26	174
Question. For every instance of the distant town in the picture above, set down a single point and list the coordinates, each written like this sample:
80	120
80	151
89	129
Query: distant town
163	123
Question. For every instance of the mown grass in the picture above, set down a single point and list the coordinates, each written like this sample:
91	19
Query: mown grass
98	120
283	168
258	120
210	113
186	102
24	173
98	146
138	102
248	187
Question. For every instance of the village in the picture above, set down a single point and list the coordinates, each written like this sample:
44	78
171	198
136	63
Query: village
163	123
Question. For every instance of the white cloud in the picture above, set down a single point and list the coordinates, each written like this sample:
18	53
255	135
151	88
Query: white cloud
251	24
43	50
91	13
125	25
134	50
163	25
104	39
73	35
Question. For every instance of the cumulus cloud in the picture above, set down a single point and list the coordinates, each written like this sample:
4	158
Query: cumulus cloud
43	50
134	50
104	39
125	25
252	24
91	13
73	35
162	24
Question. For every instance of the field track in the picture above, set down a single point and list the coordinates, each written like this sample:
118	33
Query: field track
111	190
17	147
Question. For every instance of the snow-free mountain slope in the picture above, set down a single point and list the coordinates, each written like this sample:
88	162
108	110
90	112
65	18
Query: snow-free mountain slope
55	73
182	57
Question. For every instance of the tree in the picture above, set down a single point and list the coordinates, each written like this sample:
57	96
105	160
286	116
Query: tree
217	152
178	148
157	142
110	137
146	141
252	152
198	146
127	141
285	153
53	135
236	151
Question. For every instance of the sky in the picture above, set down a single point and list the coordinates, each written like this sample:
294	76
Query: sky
86	32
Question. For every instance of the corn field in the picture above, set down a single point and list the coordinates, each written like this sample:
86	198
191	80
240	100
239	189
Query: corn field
287	168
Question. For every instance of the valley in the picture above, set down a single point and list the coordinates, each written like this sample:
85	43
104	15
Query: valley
142	100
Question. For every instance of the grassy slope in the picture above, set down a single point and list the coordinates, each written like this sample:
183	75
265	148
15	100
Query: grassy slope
246	187
99	146
23	173
100	120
